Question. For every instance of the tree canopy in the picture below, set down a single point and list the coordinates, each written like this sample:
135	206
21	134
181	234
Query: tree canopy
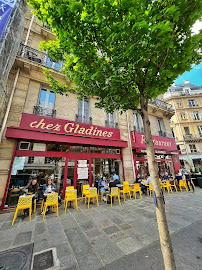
121	50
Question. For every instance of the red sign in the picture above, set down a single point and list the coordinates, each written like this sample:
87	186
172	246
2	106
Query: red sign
66	127
159	142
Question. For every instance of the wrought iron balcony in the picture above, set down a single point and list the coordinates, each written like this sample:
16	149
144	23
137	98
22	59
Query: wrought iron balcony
44	111
111	124
46	26
162	104
139	129
83	119
162	133
38	57
193	136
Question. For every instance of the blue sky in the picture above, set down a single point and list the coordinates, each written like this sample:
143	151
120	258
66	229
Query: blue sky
194	76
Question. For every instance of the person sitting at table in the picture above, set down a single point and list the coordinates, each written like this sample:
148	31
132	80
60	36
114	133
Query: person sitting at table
48	188
166	177
148	181
32	188
178	177
103	186
138	180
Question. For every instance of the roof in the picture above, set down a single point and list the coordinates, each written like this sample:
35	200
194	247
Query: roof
180	87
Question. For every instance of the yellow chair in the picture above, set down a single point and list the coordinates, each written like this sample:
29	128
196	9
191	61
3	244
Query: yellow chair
101	192
114	194
51	200
174	185
125	190
192	183
168	186
149	189
69	187
84	191
70	196
182	183
136	189
24	202
92	195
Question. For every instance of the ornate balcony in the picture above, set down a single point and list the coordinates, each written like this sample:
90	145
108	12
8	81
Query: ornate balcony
162	133
161	104
111	124
38	57
139	130
83	119
44	111
47	27
192	137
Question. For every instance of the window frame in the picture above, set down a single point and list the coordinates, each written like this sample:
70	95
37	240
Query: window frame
193	149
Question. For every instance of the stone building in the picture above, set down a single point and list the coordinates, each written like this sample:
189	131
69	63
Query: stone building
186	124
49	135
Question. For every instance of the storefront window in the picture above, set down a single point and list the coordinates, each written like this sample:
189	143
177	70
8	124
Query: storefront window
97	150
113	151
58	147
79	149
24	168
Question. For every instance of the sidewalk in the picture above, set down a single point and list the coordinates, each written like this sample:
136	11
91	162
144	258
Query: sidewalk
99	237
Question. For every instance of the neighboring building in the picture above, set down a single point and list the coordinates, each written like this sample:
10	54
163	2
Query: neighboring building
47	134
186	124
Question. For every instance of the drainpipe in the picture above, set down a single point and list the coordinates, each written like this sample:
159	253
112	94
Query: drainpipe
130	145
29	29
9	105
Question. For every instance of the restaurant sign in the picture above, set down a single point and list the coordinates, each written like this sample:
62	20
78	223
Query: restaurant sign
66	127
138	141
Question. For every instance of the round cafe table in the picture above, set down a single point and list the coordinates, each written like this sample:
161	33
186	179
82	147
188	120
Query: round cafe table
70	190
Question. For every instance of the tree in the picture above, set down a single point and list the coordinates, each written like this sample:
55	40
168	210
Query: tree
124	53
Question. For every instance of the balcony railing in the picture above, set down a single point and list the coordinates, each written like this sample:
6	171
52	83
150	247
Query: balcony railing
139	130
162	104
111	124
46	26
83	119
193	136
38	57
162	133
44	111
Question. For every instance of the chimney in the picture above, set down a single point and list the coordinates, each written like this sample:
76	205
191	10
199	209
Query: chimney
186	81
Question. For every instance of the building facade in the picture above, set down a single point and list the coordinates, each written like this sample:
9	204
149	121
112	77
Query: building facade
49	135
186	124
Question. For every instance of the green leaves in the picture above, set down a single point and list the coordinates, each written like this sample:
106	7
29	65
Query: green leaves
116	50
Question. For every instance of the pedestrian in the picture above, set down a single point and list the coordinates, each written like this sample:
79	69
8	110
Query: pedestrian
188	180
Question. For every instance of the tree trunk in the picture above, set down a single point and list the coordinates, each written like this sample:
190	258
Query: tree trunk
166	245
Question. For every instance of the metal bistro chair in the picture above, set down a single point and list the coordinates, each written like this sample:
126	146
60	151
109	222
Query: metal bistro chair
85	191
24	202
136	189
92	195
114	194
70	196
51	200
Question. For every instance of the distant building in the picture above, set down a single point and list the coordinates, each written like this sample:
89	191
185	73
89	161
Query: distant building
186	124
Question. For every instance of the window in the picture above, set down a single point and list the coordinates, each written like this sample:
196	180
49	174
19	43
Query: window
183	116
83	111
186	130
192	103
179	104
193	148
97	150
196	116
161	127
111	120
186	91
200	130
57	148
79	149
46	103
138	124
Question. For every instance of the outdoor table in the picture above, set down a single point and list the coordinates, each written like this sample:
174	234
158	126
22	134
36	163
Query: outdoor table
70	190
90	188
131	184
119	185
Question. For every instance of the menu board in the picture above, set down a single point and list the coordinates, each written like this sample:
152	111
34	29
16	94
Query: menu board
82	163
82	173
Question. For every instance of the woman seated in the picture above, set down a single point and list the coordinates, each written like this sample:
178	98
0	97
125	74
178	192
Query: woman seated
49	187
103	186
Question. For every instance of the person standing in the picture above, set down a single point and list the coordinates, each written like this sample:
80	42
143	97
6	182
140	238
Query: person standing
188	180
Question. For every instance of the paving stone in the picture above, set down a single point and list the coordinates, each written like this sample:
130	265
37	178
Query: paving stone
40	228
68	223
68	262
55	228
73	267
87	225
40	244
8	225
111	229
89	262
121	235
125	226
54	239
81	218
26	226
103	223
22	238
5	245
78	242
116	220
63	250
93	233
129	245
2	217
106	249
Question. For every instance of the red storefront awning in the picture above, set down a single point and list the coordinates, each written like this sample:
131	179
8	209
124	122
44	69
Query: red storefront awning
24	134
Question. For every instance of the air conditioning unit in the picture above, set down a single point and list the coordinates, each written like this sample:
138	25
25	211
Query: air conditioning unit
24	146
118	151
